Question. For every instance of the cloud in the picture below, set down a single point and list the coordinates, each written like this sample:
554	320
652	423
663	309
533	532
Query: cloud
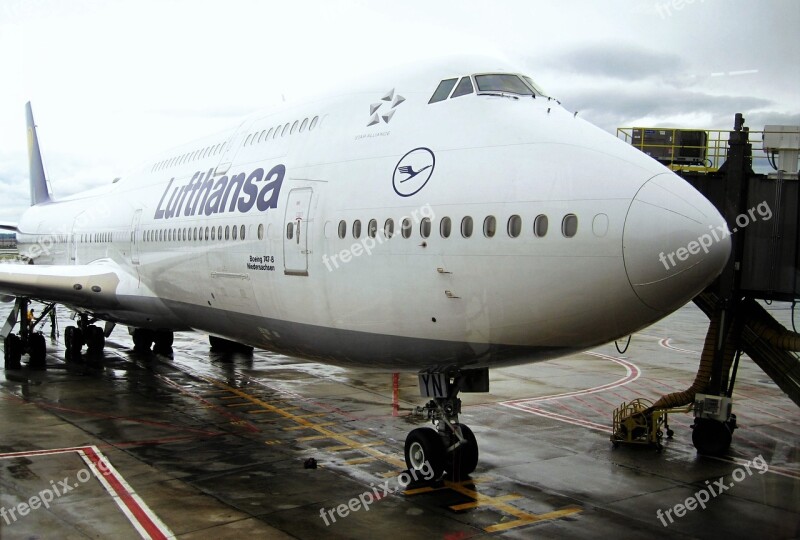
618	61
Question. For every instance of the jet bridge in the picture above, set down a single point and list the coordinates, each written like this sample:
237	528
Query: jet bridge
762	210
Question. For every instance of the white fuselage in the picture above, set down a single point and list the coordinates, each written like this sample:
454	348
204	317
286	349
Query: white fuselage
394	302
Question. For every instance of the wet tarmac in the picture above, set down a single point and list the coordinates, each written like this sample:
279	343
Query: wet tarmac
208	445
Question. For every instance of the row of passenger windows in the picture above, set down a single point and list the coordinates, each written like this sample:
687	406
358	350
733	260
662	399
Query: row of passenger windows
201	153
280	131
200	234
514	227
287	129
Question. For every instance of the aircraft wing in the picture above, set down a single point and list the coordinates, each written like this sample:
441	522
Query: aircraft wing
8	226
91	286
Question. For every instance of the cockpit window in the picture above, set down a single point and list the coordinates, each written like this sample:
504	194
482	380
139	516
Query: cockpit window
464	87
500	82
443	90
533	85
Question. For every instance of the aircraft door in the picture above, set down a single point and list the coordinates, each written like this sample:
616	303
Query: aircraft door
137	219
295	232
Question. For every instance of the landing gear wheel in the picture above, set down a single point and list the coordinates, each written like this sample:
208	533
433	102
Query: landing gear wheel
73	342
711	437
143	339
163	342
12	352
462	461
424	445
38	352
95	339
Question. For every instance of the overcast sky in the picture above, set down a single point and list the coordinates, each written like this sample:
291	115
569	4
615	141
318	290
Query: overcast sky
113	82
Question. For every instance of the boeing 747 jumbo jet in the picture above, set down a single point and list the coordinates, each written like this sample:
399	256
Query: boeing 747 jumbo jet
445	221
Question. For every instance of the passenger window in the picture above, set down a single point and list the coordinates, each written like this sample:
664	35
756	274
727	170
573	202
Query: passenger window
540	226
285	129
464	87
313	123
514	226
268	134
406	228
425	227
303	125
260	231
294	127
372	228
466	227
241	232
219	233
261	137
342	228
290	230
445	227
357	228
443	90
569	226
234	232
277	132
489	226
388	228
206	234
213	233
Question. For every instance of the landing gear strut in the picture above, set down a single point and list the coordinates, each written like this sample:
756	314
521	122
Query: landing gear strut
28	340
450	447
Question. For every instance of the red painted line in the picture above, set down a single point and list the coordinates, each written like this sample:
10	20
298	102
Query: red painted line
142	516
146	522
632	373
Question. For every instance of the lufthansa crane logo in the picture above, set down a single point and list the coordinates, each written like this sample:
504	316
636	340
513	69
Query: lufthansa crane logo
413	171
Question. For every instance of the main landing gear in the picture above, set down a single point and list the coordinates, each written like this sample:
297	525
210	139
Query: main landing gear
85	333
159	340
28	341
450	447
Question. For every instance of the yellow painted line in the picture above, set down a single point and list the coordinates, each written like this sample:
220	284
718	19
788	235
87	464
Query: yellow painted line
245	404
339	437
230	397
533	518
322	424
359	461
349	447
476	504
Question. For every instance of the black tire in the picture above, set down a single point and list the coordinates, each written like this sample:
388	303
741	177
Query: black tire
95	339
12	352
462	461
424	445
711	437
38	352
163	341
143	339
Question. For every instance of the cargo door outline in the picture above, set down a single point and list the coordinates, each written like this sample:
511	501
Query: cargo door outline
295	232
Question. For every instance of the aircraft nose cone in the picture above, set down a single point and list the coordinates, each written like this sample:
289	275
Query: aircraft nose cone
674	243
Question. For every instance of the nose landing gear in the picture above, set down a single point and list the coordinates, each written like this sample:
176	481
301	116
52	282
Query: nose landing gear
451	447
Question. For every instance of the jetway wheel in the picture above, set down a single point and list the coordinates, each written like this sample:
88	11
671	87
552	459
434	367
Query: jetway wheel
711	437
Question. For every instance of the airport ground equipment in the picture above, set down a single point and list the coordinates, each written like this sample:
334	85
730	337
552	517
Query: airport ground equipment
762	210
636	422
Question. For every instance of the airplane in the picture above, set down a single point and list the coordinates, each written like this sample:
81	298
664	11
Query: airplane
446	219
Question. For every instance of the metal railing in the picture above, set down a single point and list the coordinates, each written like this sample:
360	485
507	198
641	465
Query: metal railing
665	145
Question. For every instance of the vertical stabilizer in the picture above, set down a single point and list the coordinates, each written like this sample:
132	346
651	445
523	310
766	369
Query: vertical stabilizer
39	190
